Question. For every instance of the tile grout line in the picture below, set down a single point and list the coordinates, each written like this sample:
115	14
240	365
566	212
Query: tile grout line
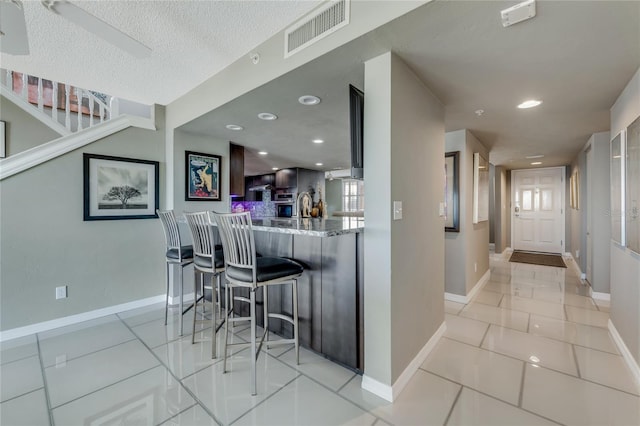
186	389
524	368
529	324
455	401
22	394
92	352
179	413
484	336
575	359
44	383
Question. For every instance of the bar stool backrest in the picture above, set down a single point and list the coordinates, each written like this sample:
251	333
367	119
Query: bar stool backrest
201	233
238	244
171	234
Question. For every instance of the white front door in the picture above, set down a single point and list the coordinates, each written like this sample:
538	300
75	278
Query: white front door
538	209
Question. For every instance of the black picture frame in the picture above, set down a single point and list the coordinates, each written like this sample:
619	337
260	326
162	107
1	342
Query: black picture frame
452	191
203	173
117	188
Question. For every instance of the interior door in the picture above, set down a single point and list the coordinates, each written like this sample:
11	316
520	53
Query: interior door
538	210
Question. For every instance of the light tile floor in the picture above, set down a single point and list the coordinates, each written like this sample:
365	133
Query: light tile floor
531	349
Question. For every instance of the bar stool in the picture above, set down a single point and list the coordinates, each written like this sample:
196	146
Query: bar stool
176	255
244	269
207	258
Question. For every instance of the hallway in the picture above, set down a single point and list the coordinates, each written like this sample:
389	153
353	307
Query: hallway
532	348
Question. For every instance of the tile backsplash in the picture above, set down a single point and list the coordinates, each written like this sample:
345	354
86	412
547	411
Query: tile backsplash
258	209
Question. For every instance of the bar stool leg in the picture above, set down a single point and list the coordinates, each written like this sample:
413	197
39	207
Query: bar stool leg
228	295
214	349
166	303
265	312
195	305
253	341
294	288
181	291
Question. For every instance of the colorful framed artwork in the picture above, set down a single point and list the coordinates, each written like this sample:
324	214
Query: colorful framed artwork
202	176
451	191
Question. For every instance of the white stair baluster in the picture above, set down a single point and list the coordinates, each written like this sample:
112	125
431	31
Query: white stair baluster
40	95
9	82
91	111
102	113
54	100
25	83
79	94
67	107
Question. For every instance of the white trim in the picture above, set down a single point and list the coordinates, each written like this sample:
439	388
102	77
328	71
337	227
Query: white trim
600	296
74	319
492	246
624	351
35	112
391	392
583	276
187	297
37	155
476	288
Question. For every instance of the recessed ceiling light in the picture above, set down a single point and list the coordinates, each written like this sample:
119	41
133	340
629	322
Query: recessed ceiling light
318	164
274	168
529	104
309	100
318	141
479	112
267	116
536	163
531	157
234	127
262	152
617	156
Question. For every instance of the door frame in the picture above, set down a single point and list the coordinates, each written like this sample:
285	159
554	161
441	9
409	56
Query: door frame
563	201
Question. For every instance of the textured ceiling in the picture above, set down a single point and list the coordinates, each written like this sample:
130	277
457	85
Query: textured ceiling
575	56
190	41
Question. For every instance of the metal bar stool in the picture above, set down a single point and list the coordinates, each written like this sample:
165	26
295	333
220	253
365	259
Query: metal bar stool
244	269
207	258
176	255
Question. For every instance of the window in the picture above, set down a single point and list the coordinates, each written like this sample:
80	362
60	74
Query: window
352	195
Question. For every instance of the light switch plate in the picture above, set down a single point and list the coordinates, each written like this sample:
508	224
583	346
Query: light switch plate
441	211
397	210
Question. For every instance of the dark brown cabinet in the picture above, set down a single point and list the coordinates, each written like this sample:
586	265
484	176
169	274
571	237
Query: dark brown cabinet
236	170
287	178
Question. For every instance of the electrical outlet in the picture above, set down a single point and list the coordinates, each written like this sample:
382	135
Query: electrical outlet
61	292
61	361
475	267
577	254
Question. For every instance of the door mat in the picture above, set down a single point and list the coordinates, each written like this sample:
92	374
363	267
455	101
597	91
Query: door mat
543	259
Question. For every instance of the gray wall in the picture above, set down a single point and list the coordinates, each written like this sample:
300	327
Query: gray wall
577	225
404	265
45	242
625	265
22	130
333	195
502	210
600	217
471	245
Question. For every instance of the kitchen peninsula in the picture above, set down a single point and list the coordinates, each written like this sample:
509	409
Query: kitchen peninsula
330	291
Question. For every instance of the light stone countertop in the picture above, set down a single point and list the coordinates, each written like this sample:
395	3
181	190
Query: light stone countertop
310	226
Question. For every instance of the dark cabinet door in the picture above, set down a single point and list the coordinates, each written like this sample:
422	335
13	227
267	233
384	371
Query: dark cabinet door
249	182
286	178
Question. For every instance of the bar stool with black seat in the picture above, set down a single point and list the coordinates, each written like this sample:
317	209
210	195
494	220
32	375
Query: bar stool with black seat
207	258
176	255
243	268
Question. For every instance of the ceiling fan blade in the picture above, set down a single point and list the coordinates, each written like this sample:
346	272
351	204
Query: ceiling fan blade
13	28
98	27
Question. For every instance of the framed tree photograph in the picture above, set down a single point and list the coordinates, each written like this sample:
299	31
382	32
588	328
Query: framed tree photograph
118	188
202	178
617	188
632	186
451	191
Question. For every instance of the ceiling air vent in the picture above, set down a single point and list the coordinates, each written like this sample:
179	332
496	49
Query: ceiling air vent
324	21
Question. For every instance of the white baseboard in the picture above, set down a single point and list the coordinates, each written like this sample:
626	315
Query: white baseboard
476	288
73	319
624	351
600	296
187	297
390	393
492	246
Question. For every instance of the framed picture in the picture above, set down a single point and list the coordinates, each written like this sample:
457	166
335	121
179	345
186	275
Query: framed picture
202	176
120	188
575	189
451	191
617	189
3	140
480	188
632	185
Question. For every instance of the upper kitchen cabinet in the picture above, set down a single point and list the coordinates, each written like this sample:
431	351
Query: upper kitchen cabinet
287	178
236	170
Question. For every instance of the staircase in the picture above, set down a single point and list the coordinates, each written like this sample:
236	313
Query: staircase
66	109
80	116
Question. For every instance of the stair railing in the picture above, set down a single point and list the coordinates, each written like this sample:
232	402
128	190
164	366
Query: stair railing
46	96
